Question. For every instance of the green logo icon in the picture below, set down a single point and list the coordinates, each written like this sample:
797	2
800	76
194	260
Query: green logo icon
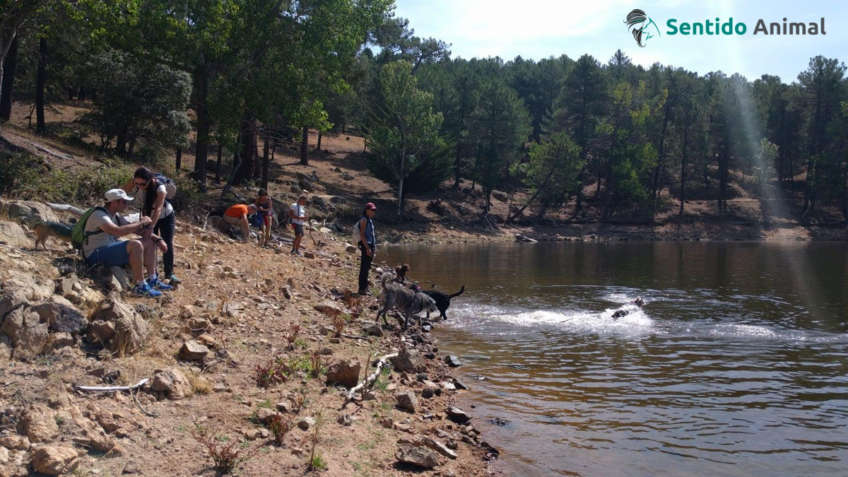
639	24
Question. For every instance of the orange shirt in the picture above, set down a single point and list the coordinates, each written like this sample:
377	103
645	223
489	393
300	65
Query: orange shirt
238	211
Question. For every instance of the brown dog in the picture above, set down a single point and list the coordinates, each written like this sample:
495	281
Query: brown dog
44	230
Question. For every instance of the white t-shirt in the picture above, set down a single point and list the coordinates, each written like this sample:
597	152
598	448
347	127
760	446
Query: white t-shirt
93	242
138	201
297	210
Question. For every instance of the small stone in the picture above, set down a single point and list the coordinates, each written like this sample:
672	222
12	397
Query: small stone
308	254
427	393
287	293
306	423
264	415
15	442
457	415
193	351
453	361
345	420
387	422
131	468
459	384
39	423
373	330
252	434
406	401
284	406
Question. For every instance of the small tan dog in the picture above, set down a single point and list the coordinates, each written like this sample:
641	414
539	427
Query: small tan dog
44	230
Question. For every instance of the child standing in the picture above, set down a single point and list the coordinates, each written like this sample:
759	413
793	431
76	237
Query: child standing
265	207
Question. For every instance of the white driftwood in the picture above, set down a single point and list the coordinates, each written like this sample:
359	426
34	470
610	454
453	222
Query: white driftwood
110	389
371	377
66	208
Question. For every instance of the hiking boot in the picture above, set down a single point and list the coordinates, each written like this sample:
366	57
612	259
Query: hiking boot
144	289
157	284
173	280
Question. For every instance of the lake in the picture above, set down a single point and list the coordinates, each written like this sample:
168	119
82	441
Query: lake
736	365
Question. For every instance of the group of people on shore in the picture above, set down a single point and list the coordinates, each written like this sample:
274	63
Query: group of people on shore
156	227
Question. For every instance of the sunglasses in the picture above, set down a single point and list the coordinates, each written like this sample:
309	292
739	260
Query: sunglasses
140	184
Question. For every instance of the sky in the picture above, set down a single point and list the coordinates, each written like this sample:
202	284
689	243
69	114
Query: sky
536	29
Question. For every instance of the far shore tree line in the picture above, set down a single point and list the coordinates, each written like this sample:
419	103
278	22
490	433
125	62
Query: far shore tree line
614	138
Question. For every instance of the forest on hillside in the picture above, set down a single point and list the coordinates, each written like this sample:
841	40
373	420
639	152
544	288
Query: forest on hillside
220	77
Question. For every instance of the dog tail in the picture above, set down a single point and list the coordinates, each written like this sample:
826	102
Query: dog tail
461	290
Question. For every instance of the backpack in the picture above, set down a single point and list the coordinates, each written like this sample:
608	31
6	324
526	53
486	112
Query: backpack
170	185
355	236
78	233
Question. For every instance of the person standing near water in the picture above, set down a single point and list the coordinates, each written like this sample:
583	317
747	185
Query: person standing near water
367	244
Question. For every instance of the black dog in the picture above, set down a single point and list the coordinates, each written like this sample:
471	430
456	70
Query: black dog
442	300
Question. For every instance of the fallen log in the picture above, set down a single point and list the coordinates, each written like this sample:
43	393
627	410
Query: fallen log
111	389
370	379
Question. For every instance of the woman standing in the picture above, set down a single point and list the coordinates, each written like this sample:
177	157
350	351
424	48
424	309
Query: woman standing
367	244
266	209
147	191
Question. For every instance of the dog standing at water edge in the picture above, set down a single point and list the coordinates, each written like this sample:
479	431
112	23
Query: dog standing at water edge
442	300
408	302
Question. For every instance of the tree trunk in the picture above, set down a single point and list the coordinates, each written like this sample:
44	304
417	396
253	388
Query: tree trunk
218	164
304	147
40	81
179	161
8	76
318	146
247	150
683	169
722	178
456	165
201	85
266	160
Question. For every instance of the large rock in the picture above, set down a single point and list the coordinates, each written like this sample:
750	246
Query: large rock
172	382
418	456
29	212
13	234
406	361
344	372
54	460
39	423
438	447
102	331
406	401
131	331
28	333
10	300
61	315
34	288
193	351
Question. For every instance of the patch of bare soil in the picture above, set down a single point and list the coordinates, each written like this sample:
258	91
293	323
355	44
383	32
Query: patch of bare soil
240	358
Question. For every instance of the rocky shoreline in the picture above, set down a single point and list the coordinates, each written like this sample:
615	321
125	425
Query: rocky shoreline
247	367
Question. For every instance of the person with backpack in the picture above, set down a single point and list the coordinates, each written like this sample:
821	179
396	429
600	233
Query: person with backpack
152	192
366	238
100	228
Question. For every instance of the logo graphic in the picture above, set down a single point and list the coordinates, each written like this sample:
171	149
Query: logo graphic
638	23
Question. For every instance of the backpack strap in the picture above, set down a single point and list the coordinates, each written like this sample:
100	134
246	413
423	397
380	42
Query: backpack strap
94	232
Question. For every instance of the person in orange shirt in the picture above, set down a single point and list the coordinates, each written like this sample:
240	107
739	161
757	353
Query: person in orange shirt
237	215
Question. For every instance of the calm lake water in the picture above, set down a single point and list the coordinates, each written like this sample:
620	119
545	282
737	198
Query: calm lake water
737	365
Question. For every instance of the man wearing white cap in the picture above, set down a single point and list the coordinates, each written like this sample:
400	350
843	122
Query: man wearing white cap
102	247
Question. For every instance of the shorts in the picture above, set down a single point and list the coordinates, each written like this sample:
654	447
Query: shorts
112	255
298	230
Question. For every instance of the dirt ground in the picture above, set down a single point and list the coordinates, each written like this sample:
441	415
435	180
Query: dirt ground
238	294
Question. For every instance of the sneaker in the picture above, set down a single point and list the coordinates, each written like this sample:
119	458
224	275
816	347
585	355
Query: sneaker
173	280
158	284
145	289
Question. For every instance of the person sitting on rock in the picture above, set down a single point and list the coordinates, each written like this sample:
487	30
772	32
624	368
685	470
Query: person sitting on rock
237	215
102	247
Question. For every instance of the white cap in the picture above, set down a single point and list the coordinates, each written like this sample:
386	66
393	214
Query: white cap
115	194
